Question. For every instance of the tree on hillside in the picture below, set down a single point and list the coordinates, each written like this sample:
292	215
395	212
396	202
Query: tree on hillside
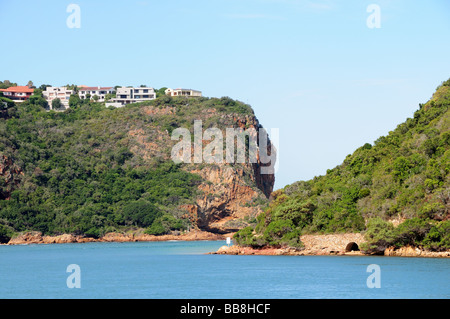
141	213
109	96
6	84
74	101
43	87
38	99
38	92
5	103
161	92
57	105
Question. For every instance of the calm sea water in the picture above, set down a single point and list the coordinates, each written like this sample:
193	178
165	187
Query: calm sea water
182	270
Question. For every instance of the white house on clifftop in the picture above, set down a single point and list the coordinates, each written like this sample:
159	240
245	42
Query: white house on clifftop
62	93
127	95
123	95
182	92
91	91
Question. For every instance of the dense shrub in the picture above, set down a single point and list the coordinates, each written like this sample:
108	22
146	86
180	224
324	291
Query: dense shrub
403	174
379	235
141	213
5	234
411	232
244	237
415	232
78	174
438	237
164	224
276	230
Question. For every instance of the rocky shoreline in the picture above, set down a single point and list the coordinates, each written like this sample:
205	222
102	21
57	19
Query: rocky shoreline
270	251
38	238
329	245
314	245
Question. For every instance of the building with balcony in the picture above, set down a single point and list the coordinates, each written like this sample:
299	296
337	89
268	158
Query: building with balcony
54	92
17	93
84	91
127	95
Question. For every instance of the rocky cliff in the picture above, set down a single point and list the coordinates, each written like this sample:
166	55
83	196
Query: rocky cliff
228	190
93	170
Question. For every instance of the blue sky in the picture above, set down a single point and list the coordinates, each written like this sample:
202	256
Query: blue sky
312	69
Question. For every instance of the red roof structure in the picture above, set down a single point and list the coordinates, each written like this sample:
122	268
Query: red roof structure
17	93
94	88
18	89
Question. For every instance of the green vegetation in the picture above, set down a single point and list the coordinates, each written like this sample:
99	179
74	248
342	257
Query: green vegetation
80	176
403	175
75	101
5	103
57	104
6	84
417	232
90	169
161	92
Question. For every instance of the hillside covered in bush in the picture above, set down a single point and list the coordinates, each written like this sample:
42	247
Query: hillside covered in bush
404	176
90	169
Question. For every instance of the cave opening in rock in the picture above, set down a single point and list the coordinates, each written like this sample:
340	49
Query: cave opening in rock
352	246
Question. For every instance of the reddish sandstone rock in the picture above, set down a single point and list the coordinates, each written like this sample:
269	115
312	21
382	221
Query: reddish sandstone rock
27	238
61	239
117	237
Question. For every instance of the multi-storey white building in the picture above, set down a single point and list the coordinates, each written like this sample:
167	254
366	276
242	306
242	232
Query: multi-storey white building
124	95
62	93
127	95
84	91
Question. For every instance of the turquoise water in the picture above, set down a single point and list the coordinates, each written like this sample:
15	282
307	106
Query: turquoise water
179	269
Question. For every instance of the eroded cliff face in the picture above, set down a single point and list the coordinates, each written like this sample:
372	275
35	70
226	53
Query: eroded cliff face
230	192
226	200
264	182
